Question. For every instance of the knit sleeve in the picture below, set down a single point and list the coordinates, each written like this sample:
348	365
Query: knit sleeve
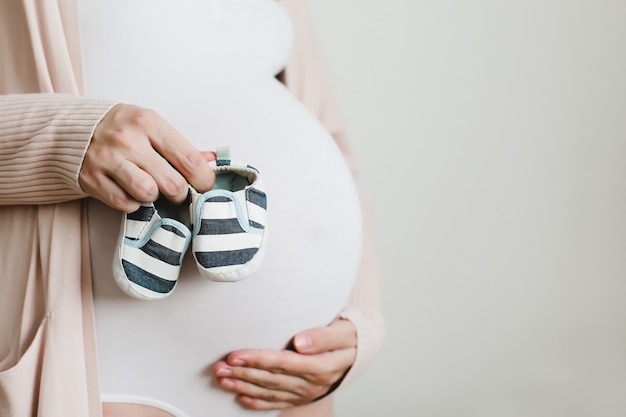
43	140
364	306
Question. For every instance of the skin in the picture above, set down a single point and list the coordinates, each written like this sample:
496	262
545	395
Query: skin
132	410
133	156
279	379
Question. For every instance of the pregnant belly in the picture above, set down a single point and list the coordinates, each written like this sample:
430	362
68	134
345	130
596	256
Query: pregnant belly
164	349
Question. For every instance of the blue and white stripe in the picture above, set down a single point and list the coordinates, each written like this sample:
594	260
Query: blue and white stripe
150	253
230	226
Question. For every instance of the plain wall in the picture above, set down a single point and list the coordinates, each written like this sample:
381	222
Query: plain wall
492	139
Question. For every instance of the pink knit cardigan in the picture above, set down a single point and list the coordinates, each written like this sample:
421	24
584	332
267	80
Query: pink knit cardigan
48	363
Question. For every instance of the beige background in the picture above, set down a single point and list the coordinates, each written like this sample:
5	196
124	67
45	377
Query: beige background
492	136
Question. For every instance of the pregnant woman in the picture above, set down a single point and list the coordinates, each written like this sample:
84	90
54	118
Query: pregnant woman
209	68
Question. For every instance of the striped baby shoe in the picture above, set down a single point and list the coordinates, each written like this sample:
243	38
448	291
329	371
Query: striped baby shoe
151	246
229	221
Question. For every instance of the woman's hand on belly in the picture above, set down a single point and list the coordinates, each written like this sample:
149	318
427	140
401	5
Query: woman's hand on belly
134	155
278	379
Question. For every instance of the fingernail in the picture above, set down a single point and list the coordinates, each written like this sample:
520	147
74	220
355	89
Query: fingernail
227	383
246	400
236	362
224	372
303	341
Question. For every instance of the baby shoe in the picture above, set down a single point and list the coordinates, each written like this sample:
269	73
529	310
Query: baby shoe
229	221
151	246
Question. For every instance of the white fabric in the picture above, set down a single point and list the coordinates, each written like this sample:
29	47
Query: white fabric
219	210
234	241
164	349
135	227
169	239
130	40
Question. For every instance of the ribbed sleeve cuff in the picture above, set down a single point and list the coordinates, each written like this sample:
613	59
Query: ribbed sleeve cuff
44	138
370	335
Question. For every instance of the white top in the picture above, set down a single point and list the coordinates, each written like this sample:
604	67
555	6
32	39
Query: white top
125	38
208	67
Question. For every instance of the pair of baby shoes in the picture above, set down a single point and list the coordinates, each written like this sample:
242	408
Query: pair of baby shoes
225	226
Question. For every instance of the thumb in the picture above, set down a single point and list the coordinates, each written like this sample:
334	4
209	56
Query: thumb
340	334
208	155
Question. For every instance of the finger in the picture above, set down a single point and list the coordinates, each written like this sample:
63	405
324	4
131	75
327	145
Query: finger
108	191
135	181
259	404
317	368
208	155
263	378
277	361
168	180
183	156
304	389
241	387
339	334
